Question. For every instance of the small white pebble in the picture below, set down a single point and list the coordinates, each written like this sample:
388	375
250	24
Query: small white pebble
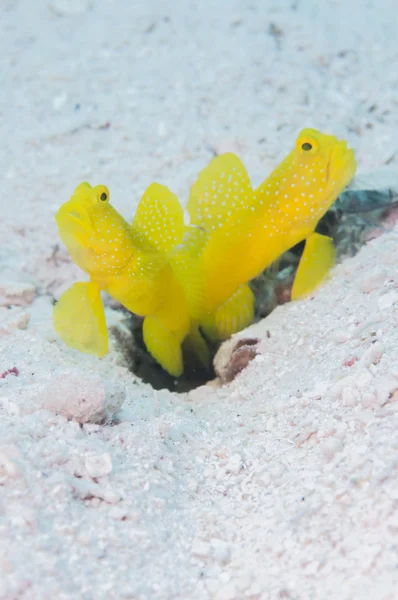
228	592
234	464
263	478
340	336
373	280
392	492
98	465
331	446
368	399
117	512
200	548
221	550
59	101
311	568
362	379
372	355
9	466
349	396
270	424
79	395
392	520
259	358
387	300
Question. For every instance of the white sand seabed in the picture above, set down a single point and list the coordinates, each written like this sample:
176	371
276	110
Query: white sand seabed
280	485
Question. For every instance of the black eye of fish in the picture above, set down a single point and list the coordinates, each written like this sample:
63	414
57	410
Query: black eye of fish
104	197
306	146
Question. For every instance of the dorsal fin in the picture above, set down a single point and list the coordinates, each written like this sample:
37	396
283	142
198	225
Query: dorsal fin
159	218
221	191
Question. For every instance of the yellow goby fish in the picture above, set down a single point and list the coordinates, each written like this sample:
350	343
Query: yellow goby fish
140	265
249	229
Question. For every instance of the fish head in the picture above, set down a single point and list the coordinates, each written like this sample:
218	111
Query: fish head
322	166
92	230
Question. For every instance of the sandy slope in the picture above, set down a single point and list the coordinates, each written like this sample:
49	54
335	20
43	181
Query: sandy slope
279	485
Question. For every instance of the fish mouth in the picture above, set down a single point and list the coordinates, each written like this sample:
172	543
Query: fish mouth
75	215
341	165
339	150
74	218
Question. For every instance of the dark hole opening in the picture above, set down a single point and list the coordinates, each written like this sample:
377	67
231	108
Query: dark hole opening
142	364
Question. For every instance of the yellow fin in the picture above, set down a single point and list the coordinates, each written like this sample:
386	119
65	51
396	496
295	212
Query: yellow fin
163	345
222	189
317	259
198	346
186	263
160	218
79	319
232	316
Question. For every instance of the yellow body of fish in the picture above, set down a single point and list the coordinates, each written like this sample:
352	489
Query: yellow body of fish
249	229
181	277
141	265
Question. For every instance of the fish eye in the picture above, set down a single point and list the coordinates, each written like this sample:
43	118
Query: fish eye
101	193
306	143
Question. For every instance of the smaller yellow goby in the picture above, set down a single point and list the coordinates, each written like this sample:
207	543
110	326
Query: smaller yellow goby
140	265
249	229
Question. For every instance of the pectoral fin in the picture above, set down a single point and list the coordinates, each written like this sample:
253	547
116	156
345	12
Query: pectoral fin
316	261
79	319
232	316
163	345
